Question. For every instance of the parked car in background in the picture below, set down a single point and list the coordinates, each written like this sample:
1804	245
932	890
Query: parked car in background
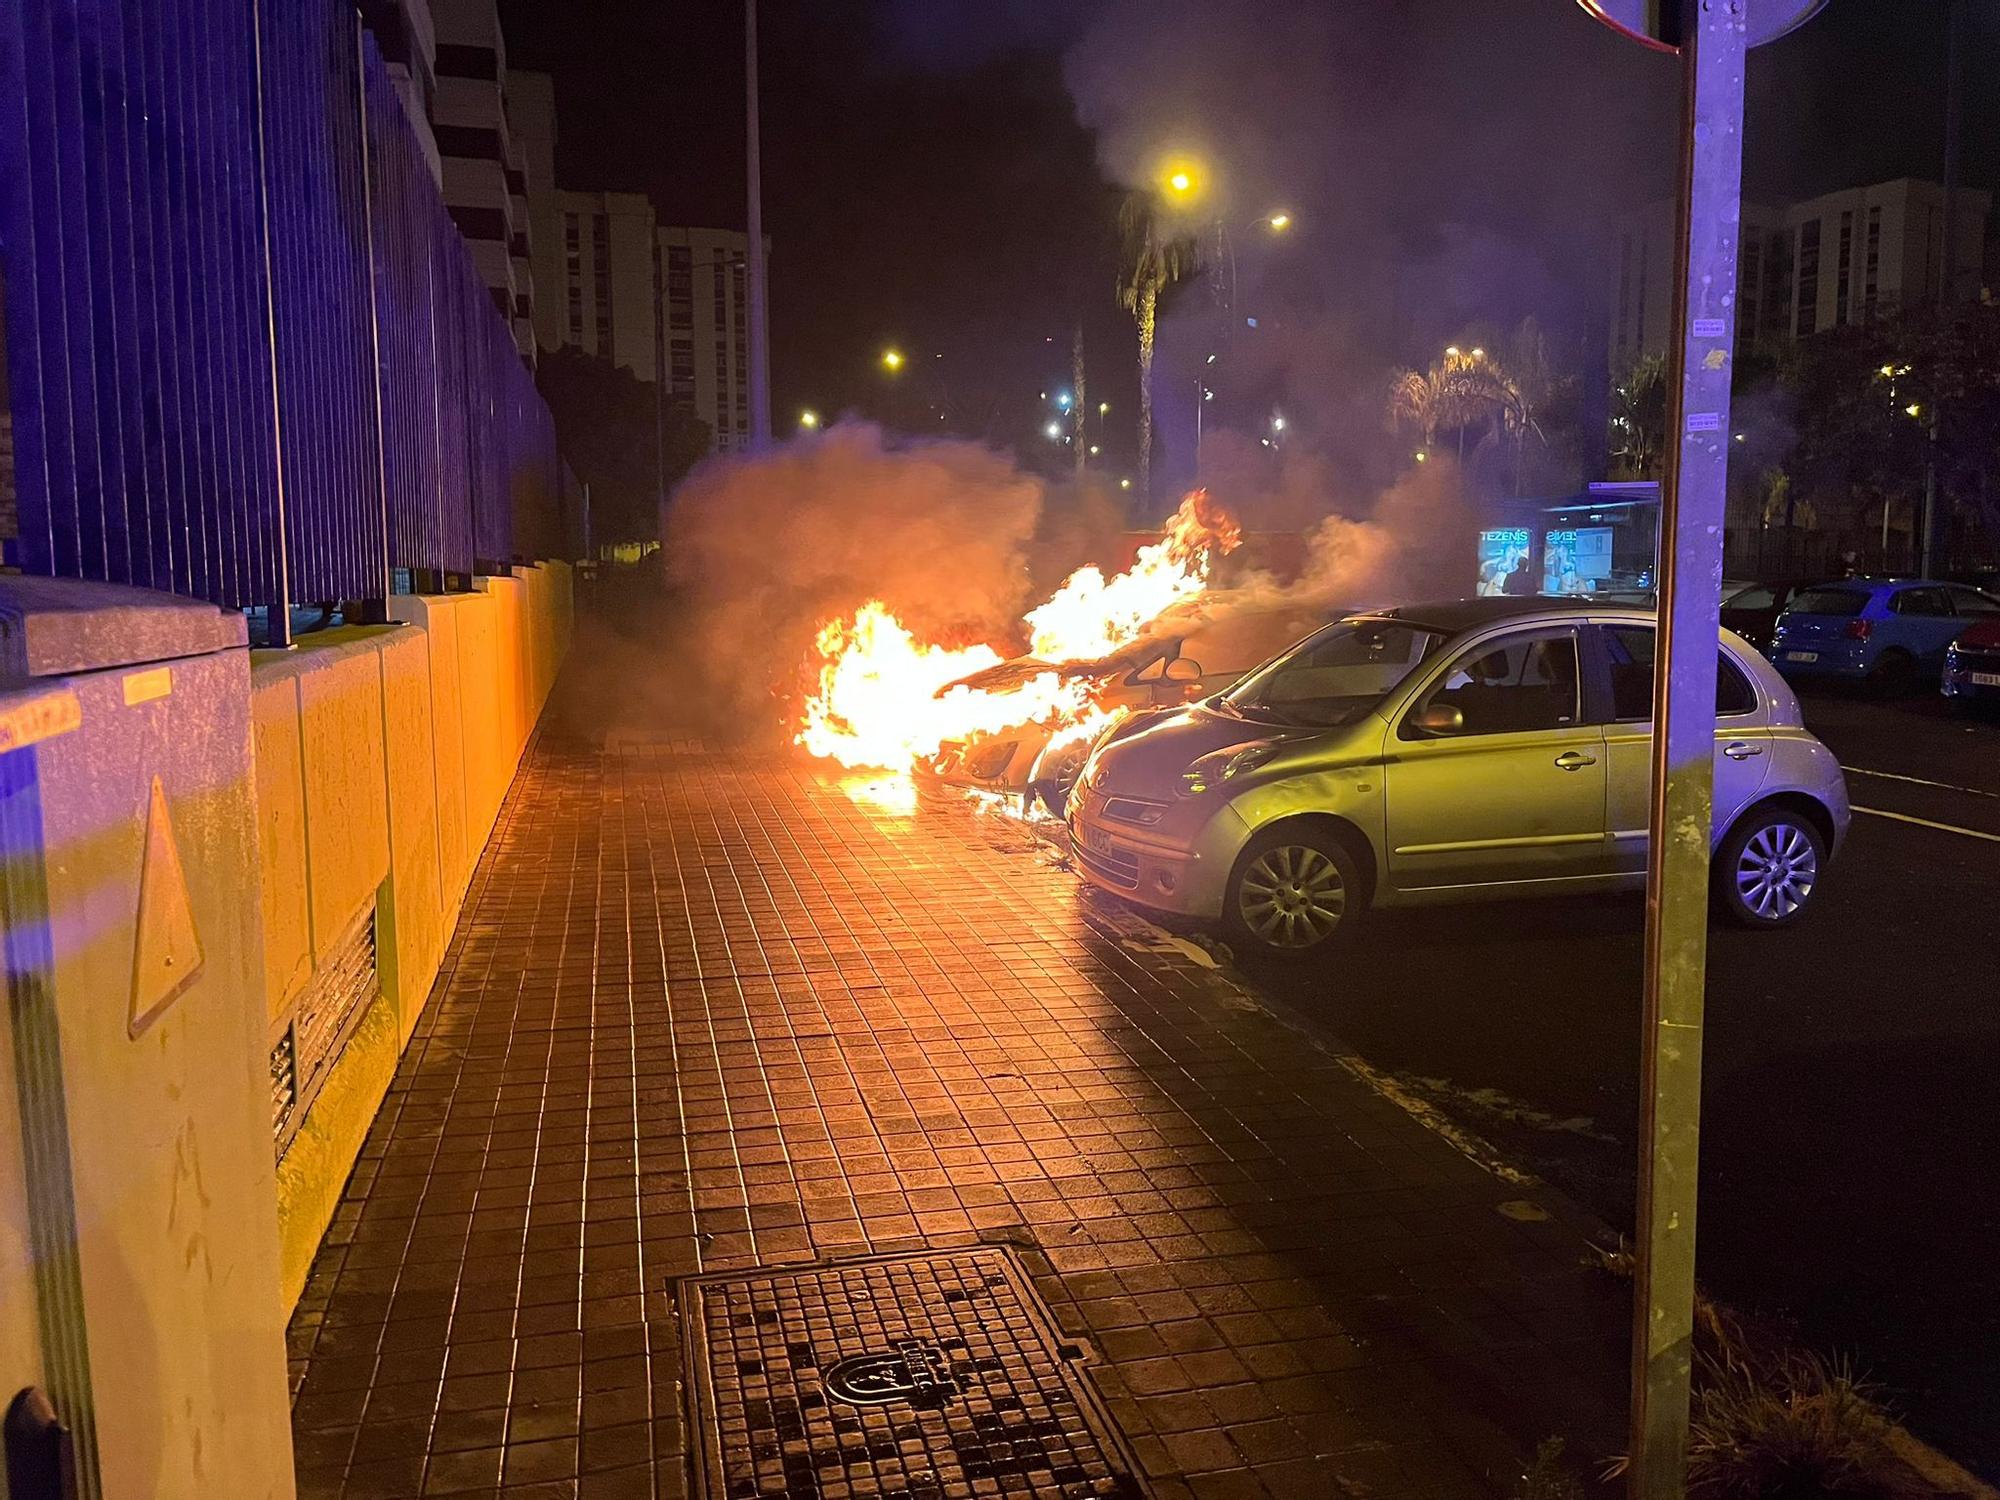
1972	663
1752	609
1888	632
1464	751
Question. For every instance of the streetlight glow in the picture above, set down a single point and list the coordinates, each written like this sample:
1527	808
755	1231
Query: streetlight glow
1065	400
1124	484
1103	408
1093	450
1280	222
809	419
1277	424
892	359
1913	409
1054	430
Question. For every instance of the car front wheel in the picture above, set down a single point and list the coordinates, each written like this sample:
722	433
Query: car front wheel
1767	871
1294	892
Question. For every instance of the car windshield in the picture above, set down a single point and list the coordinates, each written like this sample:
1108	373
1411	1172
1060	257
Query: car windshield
1335	676
1828	602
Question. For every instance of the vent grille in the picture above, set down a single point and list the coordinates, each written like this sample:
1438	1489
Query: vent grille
322	1018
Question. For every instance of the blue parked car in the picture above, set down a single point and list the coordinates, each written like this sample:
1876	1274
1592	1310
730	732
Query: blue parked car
1888	632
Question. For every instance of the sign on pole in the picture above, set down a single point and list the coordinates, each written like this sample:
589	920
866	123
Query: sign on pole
1712	38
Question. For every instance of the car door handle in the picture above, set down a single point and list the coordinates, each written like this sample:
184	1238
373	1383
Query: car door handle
1575	760
1740	751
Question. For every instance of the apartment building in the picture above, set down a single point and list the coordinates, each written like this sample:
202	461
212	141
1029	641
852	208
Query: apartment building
1840	259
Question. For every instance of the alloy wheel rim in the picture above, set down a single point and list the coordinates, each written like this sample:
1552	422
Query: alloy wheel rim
1292	896
1776	871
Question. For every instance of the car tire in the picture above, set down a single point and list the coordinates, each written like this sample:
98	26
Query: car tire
1894	674
1768	870
1296	893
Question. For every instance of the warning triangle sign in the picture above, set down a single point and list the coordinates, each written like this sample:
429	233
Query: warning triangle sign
166	953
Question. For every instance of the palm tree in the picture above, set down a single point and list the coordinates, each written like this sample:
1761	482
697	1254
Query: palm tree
1154	259
1455	392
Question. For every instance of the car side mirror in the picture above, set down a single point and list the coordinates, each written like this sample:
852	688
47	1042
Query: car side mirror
1441	718
1182	669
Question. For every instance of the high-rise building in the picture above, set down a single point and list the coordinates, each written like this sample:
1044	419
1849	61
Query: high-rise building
485	179
531	115
702	327
606	302
1829	262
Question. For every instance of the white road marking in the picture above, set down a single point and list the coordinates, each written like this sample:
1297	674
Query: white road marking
1947	786
1971	833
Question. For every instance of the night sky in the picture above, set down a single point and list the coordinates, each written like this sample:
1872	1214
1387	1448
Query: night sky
931	183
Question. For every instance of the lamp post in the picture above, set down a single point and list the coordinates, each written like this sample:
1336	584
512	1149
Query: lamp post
759	319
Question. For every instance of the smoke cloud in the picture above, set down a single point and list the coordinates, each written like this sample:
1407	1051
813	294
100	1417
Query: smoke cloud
953	537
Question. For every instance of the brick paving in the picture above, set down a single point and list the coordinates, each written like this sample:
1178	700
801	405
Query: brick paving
706	1012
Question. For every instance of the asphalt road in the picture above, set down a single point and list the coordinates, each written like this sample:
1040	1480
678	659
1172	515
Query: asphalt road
1851	1132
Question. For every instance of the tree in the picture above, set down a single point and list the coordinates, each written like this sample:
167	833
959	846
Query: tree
1639	418
1154	258
1459	391
608	425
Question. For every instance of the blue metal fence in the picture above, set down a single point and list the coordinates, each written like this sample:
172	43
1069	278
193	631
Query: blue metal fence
251	359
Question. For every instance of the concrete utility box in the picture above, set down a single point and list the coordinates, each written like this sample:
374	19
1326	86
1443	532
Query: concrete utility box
138	1220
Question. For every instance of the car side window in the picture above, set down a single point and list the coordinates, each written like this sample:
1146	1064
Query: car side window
1515	685
1929	603
1629	650
1973	602
1758	596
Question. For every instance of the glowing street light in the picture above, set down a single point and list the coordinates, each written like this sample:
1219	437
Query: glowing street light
1054	430
1124	484
1065	400
809	419
1104	408
1277	424
1913	409
892	360
1093	450
1280	222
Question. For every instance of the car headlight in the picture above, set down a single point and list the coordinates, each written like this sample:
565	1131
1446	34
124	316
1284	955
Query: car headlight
1219	766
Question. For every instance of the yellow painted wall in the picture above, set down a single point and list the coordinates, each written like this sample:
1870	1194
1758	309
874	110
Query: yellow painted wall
383	754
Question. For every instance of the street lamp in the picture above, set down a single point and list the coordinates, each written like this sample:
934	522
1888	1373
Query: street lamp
1279	221
809	419
892	360
1054	430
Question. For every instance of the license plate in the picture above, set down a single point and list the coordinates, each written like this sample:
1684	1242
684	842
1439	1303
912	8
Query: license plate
1098	839
1986	679
1801	656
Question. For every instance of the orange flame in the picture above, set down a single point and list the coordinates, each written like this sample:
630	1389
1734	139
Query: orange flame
886	699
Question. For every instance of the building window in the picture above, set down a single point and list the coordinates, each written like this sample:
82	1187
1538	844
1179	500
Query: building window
680	287
1845	268
600	271
1808	304
680	373
1871	264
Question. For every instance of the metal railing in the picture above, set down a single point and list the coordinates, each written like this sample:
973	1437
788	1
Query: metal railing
251	358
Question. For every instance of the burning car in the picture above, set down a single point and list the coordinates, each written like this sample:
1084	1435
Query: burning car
1188	655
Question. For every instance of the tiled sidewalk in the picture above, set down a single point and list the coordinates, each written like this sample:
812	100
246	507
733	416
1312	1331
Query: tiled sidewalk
706	1013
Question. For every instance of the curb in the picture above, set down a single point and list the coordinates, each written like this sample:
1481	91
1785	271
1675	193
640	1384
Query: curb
1943	1474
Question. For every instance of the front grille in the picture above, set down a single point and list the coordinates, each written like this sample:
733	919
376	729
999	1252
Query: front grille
1982	660
1113	865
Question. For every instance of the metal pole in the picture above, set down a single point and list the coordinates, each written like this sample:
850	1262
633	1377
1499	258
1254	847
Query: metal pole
278	614
374	302
760	349
1947	255
1693	503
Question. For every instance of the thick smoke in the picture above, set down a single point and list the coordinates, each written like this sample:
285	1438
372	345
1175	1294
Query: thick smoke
763	551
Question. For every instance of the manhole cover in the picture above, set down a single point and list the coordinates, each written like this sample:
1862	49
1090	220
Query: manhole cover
920	1375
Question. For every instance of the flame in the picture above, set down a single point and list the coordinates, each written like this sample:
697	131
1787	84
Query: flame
886	699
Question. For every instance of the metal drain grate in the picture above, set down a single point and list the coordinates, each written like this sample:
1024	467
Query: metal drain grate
937	1375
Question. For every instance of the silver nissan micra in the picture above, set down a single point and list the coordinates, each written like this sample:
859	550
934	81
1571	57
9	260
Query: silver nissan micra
1478	749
